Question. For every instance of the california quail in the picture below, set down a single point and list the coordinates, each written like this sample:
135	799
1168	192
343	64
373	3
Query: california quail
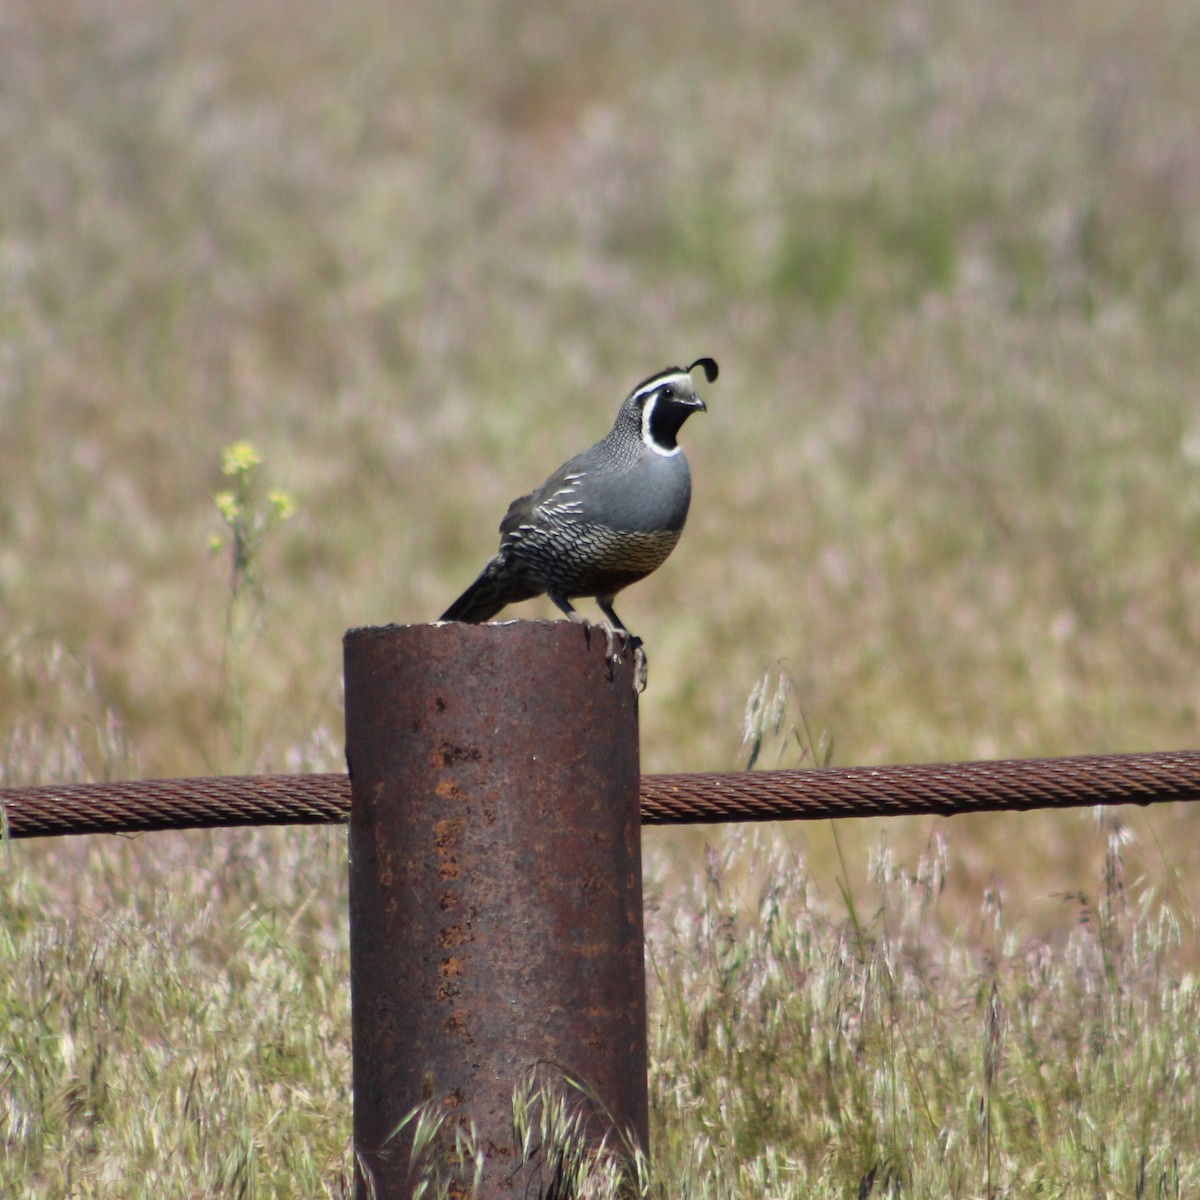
603	520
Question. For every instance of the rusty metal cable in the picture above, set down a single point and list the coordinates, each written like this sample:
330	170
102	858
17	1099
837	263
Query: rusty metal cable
942	788
143	805
946	789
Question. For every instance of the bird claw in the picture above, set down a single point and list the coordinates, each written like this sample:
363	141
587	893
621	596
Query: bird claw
640	667
618	643
611	651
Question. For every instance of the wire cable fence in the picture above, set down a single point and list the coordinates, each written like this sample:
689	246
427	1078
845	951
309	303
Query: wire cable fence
945	789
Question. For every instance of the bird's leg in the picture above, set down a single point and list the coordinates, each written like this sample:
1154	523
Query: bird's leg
612	629
614	632
567	607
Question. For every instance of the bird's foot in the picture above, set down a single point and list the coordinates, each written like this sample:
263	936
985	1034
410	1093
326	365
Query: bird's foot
614	645
618	643
640	667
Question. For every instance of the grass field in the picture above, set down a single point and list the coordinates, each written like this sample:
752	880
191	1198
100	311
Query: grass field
949	483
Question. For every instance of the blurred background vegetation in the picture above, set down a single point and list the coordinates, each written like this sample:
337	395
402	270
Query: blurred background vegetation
946	255
948	486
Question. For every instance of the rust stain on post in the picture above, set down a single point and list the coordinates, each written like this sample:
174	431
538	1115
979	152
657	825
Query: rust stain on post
495	882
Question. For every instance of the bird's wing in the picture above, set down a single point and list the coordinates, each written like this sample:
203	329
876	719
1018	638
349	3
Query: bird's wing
556	497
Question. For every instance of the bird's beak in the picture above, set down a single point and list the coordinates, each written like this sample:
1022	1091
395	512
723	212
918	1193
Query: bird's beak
700	405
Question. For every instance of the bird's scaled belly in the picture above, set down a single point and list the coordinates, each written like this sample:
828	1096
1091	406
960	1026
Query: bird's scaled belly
592	560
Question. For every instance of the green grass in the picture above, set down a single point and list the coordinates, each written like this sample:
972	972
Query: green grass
949	481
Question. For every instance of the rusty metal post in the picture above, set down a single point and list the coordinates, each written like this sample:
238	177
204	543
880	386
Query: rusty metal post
495	884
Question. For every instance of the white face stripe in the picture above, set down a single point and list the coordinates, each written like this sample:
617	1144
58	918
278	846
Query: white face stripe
647	436
651	390
651	386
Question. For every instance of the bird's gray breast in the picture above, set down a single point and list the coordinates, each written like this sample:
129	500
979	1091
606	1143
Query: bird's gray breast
651	494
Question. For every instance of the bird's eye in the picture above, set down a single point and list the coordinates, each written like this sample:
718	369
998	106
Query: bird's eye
668	393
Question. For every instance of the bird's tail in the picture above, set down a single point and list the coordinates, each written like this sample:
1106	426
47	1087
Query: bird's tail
493	590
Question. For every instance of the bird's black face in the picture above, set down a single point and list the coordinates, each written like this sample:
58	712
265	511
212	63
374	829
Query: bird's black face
664	412
663	402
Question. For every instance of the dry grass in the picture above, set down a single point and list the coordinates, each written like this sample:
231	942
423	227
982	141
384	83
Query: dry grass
174	1021
800	1055
945	254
